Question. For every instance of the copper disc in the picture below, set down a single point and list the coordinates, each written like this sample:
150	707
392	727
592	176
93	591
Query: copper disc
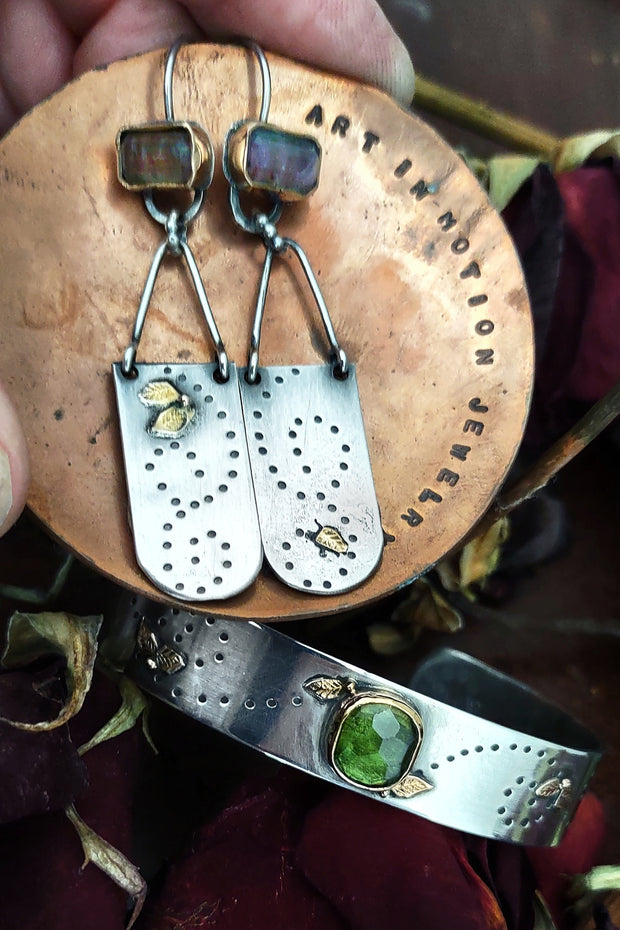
422	281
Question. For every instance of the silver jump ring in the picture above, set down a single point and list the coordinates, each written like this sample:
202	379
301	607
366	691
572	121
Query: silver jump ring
248	223
185	218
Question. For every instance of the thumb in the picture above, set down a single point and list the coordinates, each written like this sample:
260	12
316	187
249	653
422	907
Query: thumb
14	470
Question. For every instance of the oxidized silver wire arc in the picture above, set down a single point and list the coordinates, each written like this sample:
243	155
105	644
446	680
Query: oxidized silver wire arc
171	58
263	225
176	244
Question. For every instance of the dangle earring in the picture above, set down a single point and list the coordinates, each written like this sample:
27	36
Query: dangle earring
318	512
191	499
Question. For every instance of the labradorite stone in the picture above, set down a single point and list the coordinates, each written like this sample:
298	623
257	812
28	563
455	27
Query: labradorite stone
282	162
375	745
156	157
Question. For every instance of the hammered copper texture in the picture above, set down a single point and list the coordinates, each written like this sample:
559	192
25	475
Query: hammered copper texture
76	248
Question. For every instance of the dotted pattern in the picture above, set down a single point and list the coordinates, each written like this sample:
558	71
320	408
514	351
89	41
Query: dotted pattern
192	503
218	642
520	795
504	784
315	495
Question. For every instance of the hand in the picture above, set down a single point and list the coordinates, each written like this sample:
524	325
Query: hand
45	43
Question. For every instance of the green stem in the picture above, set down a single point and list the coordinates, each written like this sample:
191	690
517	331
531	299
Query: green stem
477	116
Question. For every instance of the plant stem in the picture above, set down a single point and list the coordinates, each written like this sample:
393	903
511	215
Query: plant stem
599	416
477	116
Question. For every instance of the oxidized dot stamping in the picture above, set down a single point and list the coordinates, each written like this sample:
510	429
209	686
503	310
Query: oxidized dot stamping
318	512
191	499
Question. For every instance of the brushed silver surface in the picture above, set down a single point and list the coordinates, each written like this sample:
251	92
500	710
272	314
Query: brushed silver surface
247	681
191	498
312	471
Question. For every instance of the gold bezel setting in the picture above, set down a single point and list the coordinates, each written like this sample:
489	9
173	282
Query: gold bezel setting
406	785
236	154
201	160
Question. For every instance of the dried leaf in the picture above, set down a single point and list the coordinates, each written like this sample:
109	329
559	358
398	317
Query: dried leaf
507	173
326	689
40	596
480	557
159	394
425	607
171	422
447	572
133	705
601	879
574	151
388	639
38	771
542	917
112	862
410	786
30	636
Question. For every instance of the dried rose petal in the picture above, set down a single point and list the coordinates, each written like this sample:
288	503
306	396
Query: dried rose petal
42	885
241	872
38	771
576	315
381	867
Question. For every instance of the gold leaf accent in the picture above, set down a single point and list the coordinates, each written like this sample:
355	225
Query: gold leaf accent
329	538
159	394
146	640
326	689
410	786
555	786
169	660
549	788
30	636
171	422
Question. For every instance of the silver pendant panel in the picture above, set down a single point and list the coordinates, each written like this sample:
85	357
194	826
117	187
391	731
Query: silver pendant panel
316	500
191	499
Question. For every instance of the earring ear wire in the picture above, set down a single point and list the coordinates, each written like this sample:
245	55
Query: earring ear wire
193	513
318	512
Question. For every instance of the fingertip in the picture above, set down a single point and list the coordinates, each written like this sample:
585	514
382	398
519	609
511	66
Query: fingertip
14	465
399	77
120	32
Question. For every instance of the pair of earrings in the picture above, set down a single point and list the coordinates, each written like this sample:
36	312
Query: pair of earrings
225	465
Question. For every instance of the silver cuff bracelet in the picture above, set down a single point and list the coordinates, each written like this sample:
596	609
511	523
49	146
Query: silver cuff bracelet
466	746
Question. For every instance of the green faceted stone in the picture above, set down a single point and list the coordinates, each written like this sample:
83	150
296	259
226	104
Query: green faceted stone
375	745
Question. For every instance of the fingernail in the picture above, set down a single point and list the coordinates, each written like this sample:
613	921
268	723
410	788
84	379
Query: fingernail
403	75
6	492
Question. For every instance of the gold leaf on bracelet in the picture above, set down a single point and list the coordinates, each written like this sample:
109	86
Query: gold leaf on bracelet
158	657
325	689
146	640
559	789
410	786
169	660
